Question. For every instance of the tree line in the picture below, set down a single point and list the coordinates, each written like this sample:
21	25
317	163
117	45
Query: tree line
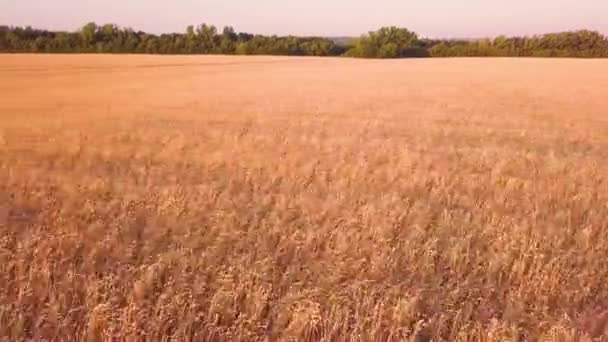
582	43
387	42
202	39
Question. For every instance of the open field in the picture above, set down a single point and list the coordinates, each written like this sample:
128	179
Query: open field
271	198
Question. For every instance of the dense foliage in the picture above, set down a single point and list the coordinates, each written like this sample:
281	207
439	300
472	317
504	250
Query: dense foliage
387	42
581	43
203	39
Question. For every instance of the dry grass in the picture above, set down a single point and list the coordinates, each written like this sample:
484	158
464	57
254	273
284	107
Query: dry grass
257	198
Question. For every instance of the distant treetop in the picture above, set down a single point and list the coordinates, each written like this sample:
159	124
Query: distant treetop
387	42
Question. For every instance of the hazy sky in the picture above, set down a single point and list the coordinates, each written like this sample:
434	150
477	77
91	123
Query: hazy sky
430	18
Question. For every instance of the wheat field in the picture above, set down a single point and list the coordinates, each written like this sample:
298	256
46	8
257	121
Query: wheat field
310	199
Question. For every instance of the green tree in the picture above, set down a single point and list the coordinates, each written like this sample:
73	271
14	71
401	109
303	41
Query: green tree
191	40
228	41
88	34
207	38
387	42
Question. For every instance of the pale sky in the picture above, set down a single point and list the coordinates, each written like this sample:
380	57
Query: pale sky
429	18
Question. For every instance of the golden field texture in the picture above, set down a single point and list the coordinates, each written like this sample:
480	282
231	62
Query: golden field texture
276	199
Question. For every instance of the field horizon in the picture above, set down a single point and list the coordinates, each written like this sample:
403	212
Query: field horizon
258	198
